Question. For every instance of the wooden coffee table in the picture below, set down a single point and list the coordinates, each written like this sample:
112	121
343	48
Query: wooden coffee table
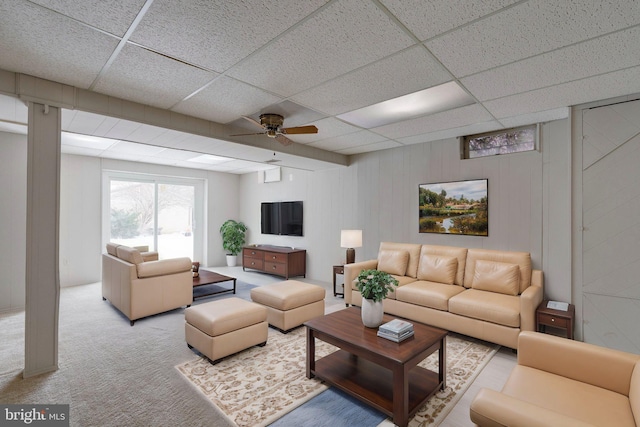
209	278
381	373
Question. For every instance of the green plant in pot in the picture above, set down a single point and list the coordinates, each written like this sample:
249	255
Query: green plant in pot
233	239
374	285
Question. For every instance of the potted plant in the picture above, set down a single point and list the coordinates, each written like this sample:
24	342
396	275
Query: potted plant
374	285
233	239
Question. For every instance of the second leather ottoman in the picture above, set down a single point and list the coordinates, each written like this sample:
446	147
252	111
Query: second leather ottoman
290	303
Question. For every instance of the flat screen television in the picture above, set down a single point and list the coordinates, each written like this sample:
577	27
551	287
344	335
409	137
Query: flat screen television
281	218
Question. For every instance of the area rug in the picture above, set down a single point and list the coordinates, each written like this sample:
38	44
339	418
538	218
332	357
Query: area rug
262	384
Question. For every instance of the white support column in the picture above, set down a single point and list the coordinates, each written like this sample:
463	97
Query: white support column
43	215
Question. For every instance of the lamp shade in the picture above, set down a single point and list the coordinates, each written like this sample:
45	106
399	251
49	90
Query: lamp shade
351	238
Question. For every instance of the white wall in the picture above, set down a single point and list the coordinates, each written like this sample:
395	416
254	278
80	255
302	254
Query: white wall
13	220
378	193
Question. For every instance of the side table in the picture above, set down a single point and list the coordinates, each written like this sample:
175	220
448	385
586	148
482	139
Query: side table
337	269
555	318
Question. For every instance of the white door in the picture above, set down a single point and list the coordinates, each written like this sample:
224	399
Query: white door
611	221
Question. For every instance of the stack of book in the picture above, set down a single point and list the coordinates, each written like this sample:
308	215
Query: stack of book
397	330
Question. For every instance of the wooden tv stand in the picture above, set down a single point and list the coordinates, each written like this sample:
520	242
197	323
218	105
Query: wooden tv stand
277	260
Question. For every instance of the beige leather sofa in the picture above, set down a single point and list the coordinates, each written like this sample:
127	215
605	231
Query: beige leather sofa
488	294
560	382
140	288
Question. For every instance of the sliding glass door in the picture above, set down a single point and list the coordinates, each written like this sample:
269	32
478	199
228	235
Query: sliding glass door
160	212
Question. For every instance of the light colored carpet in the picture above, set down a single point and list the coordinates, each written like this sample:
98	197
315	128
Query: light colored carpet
110	373
261	384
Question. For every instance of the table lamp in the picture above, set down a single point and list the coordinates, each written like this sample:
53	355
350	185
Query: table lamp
351	239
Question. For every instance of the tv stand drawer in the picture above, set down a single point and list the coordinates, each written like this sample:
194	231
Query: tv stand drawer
275	268
275	257
253	253
254	263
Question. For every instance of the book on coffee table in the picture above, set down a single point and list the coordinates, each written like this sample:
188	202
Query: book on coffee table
394	337
396	330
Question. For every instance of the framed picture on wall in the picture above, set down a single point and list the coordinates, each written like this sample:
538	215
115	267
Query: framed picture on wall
459	207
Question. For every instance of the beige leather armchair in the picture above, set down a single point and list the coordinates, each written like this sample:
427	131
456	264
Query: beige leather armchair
140	288
560	382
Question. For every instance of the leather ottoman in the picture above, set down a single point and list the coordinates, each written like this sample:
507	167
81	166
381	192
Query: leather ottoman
220	328
290	303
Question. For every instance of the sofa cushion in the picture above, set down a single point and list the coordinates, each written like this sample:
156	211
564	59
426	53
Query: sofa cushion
393	261
590	404
523	259
449	251
428	294
163	267
112	249
434	268
414	254
128	254
402	280
499	277
489	306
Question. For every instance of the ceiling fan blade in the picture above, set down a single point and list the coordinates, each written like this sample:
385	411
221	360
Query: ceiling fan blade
255	122
283	139
300	130
245	134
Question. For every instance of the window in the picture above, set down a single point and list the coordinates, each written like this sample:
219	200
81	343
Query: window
514	140
156	212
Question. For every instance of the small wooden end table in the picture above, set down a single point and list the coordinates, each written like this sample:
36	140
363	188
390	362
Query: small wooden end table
337	269
555	318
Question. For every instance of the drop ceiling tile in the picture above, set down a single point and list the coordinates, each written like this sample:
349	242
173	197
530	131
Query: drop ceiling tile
170	138
614	51
134	149
325	47
362	137
605	86
427	19
448	119
409	71
218	34
537	117
149	78
294	114
113	16
225	99
384	145
528	29
327	128
83	122
121	129
452	133
176	155
146	133
74	56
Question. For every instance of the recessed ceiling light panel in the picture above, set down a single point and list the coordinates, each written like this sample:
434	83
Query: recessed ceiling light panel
210	159
428	101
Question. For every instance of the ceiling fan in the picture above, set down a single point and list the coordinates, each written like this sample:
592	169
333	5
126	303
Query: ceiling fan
271	125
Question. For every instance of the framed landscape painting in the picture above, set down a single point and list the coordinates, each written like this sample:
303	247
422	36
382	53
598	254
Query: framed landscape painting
459	207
